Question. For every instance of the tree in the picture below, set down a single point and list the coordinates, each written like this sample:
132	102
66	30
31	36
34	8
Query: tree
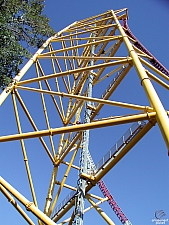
22	25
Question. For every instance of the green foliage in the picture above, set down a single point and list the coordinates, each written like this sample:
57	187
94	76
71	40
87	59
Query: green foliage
22	25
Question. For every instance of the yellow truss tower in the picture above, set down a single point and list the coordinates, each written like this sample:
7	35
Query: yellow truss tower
67	92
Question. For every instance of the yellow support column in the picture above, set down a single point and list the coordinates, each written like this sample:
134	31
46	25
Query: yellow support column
161	114
100	211
29	205
17	207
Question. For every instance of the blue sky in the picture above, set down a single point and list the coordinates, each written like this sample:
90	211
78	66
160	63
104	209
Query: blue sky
139	182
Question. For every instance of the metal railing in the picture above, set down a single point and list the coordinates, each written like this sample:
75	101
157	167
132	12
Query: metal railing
121	143
115	79
66	201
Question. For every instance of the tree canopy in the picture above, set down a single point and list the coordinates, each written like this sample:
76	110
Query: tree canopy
22	25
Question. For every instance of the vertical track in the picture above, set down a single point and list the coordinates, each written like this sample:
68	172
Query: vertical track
81	185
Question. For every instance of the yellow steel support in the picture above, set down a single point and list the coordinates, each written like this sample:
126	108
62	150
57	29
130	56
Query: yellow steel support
101	101
50	190
24	151
159	81
86	210
33	124
84	45
29	205
80	127
63	180
154	69
45	113
17	207
100	174
100	211
53	99
162	118
72	188
49	89
103	65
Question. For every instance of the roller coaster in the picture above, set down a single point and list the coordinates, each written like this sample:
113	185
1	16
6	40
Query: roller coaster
60	96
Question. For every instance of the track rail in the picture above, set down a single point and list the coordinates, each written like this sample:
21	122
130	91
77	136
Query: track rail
112	153
64	203
138	44
113	204
120	144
